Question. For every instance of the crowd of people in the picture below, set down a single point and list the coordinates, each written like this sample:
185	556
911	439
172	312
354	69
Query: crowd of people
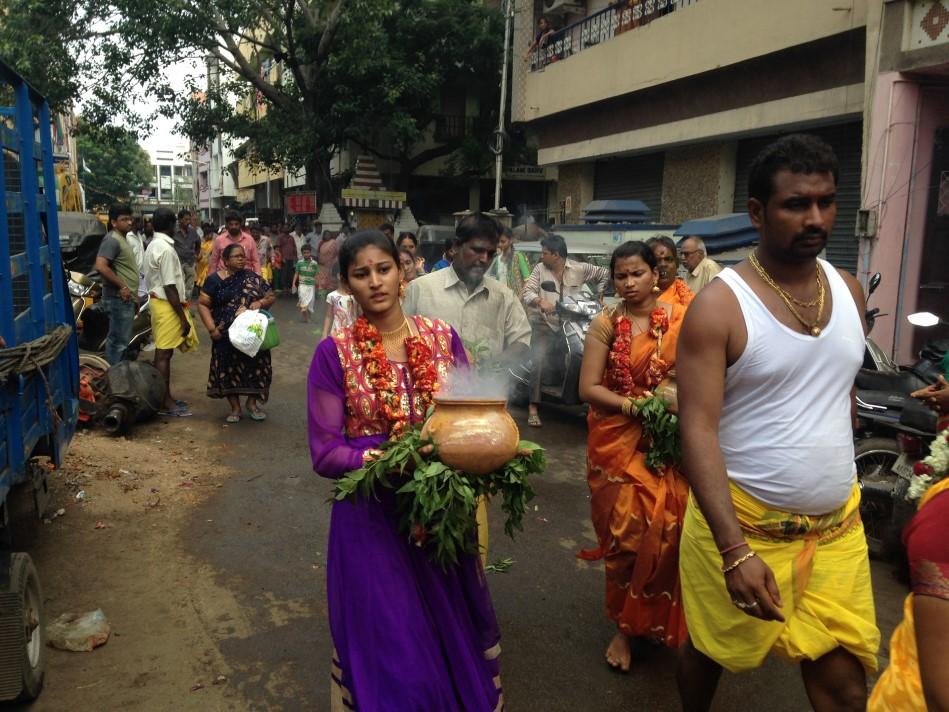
748	544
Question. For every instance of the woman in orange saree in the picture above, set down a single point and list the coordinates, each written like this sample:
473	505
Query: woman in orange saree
673	289
637	512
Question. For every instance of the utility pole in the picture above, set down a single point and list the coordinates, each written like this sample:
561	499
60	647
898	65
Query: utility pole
500	135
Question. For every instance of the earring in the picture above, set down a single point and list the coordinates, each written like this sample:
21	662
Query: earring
655	288
402	291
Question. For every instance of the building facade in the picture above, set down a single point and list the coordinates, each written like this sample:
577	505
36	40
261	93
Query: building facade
668	101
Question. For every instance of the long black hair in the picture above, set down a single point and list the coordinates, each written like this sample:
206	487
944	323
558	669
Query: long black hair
356	243
633	248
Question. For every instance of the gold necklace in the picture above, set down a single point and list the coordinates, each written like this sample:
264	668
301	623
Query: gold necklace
811	326
393	341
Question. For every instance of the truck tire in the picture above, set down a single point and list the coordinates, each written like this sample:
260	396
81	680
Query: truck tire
22	632
874	458
22	517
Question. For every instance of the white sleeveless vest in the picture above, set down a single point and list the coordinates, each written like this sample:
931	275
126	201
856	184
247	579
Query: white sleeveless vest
786	432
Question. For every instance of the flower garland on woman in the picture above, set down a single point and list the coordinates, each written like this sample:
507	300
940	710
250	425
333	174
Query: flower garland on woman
637	510
391	624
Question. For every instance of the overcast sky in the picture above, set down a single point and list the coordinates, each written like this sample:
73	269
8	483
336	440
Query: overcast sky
163	134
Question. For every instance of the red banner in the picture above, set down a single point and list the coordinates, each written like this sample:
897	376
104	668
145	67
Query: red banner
302	204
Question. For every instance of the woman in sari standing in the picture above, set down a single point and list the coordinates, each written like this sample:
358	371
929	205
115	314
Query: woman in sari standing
509	267
407	634
204	257
326	254
232	374
637	512
673	289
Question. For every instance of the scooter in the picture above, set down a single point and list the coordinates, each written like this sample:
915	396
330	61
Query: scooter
92	321
893	431
560	380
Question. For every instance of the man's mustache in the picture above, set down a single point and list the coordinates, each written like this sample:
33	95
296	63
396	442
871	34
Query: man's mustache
810	235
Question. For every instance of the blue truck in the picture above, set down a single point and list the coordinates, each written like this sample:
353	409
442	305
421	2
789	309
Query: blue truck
39	373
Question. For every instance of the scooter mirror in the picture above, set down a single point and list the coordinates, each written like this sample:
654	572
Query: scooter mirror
548	286
923	319
874	283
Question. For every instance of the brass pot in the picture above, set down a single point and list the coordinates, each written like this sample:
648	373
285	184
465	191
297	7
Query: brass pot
474	436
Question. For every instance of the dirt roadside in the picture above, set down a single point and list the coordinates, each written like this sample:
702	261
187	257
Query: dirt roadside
118	547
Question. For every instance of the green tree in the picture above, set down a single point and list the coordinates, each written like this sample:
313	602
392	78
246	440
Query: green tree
368	71
112	164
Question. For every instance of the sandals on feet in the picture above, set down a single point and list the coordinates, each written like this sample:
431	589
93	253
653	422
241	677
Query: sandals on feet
257	414
233	418
533	420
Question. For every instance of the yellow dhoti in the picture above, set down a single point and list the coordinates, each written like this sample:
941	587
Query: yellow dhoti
166	327
821	567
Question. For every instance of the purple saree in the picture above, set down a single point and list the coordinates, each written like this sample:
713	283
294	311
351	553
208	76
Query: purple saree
408	636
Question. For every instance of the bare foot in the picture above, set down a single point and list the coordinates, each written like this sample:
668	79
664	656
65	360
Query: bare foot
618	655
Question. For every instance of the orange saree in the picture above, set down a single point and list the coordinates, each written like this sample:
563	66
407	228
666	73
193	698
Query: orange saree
637	513
677	293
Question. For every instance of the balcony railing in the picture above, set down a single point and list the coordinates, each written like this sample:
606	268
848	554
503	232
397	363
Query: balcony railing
451	127
602	26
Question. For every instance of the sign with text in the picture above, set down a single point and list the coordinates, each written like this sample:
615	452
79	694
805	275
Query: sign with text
302	203
359	194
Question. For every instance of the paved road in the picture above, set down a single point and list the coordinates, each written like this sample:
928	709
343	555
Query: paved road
264	532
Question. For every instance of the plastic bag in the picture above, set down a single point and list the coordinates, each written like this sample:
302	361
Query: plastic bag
77	633
247	331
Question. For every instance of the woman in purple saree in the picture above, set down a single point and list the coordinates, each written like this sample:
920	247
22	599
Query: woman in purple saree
408	636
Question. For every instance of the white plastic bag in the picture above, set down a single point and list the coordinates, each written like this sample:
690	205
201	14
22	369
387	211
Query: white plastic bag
247	331
79	633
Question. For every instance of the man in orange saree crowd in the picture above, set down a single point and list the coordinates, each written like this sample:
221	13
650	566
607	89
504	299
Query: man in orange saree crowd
773	555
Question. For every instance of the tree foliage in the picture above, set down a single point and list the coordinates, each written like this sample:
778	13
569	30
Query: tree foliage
112	164
367	71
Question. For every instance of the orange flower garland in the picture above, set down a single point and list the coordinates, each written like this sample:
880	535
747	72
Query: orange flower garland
683	293
383	377
618	366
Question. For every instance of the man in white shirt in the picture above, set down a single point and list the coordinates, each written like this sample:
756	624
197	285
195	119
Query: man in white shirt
773	556
172	325
486	314
568	278
701	268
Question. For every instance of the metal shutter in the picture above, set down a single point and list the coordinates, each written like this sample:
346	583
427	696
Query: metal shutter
631	178
846	140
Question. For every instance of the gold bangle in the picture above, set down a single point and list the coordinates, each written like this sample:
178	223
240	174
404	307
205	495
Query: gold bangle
629	407
738	562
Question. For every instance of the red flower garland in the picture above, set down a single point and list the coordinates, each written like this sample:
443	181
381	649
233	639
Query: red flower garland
619	374
383	377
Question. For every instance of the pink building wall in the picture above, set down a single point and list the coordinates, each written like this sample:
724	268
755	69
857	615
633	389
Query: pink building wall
903	121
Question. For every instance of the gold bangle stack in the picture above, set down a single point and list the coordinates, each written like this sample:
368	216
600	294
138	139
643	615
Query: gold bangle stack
739	561
629	407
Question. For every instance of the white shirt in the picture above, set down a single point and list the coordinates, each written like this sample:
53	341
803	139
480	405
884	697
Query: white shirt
162	267
785	431
490	316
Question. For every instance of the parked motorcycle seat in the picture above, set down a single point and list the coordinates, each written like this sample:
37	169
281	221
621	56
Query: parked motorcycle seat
900	382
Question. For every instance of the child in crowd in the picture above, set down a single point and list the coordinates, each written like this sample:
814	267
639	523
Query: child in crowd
342	310
304	283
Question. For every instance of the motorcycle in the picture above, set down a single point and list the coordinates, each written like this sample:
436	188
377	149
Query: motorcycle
560	379
92	320
893	431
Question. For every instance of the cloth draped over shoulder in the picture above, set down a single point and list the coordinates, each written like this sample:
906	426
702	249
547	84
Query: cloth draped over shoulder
677	293
821	568
637	513
900	687
407	634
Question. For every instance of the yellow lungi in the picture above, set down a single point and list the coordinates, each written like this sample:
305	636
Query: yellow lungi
166	327
821	566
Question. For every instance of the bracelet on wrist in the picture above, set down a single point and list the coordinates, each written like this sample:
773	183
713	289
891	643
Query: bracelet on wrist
739	561
733	547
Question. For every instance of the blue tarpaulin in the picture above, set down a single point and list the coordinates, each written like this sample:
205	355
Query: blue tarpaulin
721	233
